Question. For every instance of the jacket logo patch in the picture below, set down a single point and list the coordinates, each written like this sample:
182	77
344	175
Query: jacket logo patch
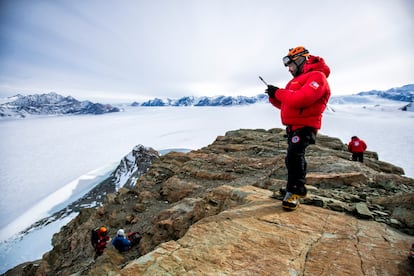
314	85
295	139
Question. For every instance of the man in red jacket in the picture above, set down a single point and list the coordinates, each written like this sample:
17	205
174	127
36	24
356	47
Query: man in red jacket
99	239
357	147
301	105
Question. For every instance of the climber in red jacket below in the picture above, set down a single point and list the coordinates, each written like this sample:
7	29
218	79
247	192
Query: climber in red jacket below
99	238
357	147
301	105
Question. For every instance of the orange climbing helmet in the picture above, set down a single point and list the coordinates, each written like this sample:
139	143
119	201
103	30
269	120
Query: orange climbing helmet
294	54
103	229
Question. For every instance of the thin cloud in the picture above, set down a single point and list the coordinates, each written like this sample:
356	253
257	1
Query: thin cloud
176	48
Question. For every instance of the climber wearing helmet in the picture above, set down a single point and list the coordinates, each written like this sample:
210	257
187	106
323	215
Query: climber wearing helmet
301	105
295	60
99	238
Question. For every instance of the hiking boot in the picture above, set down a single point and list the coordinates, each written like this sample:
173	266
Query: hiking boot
291	201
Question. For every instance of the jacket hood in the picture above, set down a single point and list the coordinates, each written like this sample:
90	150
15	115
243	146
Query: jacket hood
315	63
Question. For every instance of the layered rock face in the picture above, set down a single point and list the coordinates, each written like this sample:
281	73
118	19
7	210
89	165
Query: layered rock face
214	212
259	238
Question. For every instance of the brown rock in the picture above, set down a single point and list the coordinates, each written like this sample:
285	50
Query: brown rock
259	238
402	208
175	189
131	219
362	210
208	212
336	180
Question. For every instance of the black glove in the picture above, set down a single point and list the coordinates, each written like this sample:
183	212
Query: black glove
271	91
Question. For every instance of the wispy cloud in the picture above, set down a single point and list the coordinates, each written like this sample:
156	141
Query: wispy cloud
174	48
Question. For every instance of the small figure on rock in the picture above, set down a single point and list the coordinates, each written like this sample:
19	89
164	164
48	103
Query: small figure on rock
120	242
134	238
99	238
301	105
124	242
357	147
411	253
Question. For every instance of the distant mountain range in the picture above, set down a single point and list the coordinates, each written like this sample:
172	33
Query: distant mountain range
20	106
204	101
403	94
54	104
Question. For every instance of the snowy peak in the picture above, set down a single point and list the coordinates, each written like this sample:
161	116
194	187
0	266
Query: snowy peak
400	98
404	93
132	166
52	103
51	98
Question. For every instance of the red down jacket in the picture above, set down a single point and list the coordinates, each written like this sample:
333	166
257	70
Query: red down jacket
357	145
304	99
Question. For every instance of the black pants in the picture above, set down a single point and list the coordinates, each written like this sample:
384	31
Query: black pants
358	156
298	141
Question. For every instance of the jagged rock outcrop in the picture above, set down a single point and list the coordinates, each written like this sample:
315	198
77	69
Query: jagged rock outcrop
213	211
132	166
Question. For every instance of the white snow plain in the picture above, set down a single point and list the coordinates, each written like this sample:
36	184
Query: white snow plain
48	162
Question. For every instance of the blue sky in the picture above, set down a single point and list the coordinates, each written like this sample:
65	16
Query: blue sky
118	50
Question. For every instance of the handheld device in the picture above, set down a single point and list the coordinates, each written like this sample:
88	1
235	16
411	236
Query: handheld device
263	80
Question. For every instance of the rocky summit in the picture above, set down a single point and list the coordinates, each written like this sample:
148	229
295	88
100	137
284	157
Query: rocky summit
217	211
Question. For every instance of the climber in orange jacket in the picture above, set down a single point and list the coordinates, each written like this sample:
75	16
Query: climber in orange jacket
357	147
301	105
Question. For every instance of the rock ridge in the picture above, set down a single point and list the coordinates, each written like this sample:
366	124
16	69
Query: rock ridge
214	211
